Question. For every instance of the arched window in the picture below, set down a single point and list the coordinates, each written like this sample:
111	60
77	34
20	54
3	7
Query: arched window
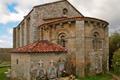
42	35
62	39
97	42
65	11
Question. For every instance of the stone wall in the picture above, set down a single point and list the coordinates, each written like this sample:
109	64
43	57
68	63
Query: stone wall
36	18
79	35
80	50
99	55
22	64
47	58
54	11
5	54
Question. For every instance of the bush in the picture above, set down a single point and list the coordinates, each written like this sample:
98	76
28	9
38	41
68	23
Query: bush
114	44
116	61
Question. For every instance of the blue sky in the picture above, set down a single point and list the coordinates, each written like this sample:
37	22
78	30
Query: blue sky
6	29
6	33
11	7
13	11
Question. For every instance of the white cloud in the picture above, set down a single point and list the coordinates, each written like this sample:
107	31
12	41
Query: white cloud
5	41
22	8
2	41
10	31
6	16
104	9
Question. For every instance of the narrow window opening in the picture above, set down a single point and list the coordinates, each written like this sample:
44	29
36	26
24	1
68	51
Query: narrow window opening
62	39
65	11
97	43
17	61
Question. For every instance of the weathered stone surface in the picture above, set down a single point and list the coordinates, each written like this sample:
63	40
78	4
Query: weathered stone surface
87	52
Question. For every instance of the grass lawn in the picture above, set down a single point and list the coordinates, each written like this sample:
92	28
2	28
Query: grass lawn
98	77
2	75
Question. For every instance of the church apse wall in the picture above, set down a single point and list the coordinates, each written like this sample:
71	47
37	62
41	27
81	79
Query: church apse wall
37	65
95	46
85	38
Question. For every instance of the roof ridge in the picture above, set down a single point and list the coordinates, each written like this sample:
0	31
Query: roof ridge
40	47
62	19
48	3
58	2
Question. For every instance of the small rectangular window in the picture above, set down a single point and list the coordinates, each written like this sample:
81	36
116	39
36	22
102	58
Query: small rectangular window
16	61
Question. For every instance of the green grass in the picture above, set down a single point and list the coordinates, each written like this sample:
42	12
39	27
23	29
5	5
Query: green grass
2	75
98	77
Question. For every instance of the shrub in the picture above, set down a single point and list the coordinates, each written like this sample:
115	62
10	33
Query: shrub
116	61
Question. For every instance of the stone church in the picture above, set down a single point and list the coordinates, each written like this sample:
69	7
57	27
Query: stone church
55	38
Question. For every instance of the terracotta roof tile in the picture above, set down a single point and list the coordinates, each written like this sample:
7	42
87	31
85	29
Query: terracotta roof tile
63	19
60	19
43	46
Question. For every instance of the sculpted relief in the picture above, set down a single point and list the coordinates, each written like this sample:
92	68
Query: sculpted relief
52	72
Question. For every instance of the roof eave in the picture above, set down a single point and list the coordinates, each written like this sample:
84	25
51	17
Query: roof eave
55	52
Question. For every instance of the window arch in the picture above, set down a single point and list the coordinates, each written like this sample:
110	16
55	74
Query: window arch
65	11
62	39
97	42
41	33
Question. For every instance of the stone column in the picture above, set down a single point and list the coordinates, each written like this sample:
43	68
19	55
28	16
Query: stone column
54	34
36	34
107	48
80	52
50	33
25	32
16	30
20	37
23	26
40	33
46	33
14	38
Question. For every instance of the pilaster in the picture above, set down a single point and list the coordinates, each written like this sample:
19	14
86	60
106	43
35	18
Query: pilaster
80	56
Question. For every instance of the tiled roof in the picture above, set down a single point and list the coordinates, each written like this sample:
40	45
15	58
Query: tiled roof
66	19
61	19
43	46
